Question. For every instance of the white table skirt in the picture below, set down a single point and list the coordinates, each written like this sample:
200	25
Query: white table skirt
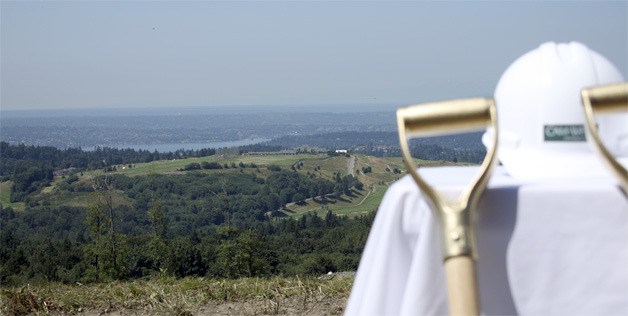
545	248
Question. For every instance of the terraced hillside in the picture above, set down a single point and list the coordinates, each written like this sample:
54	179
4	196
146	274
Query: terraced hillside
376	174
382	172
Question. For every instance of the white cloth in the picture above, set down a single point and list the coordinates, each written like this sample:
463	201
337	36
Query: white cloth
545	248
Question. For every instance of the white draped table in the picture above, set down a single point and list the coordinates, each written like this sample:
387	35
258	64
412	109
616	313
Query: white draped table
545	248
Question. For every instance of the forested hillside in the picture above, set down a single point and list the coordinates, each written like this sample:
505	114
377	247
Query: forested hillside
212	216
75	216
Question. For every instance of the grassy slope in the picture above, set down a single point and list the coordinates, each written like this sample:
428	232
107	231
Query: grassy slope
375	183
5	196
172	166
57	197
188	296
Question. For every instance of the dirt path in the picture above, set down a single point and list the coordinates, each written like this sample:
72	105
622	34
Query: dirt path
351	165
365	197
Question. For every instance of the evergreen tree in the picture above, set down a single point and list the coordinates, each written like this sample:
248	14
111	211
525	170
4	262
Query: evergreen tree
97	224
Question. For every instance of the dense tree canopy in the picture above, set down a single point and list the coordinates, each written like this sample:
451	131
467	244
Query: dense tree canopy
64	244
12	156
195	223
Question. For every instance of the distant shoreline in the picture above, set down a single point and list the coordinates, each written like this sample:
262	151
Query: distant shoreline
171	147
201	110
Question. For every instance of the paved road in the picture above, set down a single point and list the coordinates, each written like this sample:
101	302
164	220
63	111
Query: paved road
351	165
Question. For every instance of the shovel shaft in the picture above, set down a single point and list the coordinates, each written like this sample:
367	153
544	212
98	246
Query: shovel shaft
462	286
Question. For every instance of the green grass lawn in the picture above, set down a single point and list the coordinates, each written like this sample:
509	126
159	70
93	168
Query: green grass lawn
333	164
5	196
161	166
173	166
279	160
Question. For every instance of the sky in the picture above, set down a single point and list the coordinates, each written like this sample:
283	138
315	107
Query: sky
144	54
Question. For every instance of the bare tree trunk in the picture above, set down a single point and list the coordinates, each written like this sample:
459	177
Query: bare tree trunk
114	253
105	190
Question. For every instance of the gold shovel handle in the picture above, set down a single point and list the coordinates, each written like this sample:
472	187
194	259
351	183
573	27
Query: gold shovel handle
455	219
443	118
446	117
606	99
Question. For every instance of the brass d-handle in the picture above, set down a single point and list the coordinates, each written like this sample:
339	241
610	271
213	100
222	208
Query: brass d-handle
606	99
456	218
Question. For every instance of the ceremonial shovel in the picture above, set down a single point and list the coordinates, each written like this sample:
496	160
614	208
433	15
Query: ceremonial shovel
456	218
606	99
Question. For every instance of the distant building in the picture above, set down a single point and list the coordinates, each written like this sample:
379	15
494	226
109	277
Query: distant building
341	151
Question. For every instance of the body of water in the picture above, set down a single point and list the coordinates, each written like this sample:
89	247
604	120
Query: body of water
164	148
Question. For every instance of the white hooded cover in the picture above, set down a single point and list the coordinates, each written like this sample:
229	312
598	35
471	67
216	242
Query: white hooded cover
545	248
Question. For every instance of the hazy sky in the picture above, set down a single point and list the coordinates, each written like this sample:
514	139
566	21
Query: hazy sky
89	54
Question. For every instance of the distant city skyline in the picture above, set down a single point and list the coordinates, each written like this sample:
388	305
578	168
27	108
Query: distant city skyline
142	54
